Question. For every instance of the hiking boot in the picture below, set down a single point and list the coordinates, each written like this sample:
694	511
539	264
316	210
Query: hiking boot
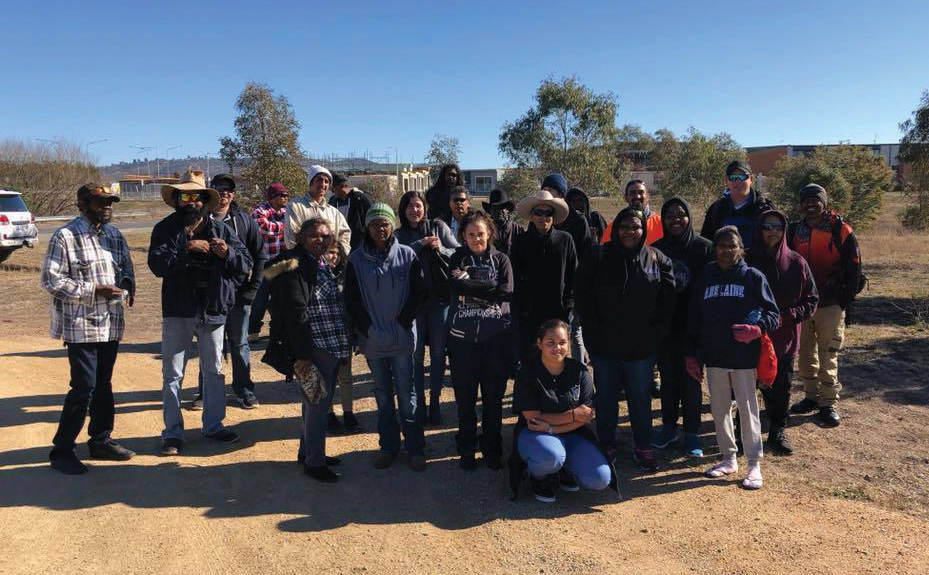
197	403
109	449
224	435
247	400
384	460
332	423
805	405
171	446
350	422
542	490
566	481
467	462
418	462
665	436
321	473
645	458
69	464
692	445
778	442
828	416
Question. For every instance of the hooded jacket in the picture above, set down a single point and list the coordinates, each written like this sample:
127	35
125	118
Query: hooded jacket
576	225
722	299
358	205
506	234
625	298
792	283
689	254
246	229
722	212
413	237
383	292
169	259
595	221
480	308
543	269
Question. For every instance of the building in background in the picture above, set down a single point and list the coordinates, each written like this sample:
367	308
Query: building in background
482	180
764	158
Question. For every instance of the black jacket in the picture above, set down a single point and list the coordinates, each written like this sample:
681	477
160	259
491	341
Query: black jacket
543	269
689	255
358	206
625	299
248	233
168	259
506	234
595	221
576	225
483	295
437	197
723	213
292	274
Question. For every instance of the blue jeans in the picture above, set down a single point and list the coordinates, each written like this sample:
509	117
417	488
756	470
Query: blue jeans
312	450
237	339
635	376
432	329
546	453
259	305
396	373
176	335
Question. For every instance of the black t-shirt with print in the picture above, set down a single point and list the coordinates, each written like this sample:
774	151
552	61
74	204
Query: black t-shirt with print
537	389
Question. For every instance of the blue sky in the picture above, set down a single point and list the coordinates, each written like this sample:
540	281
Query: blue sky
385	75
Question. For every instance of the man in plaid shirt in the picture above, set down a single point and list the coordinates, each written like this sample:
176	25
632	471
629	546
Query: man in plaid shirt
88	271
269	215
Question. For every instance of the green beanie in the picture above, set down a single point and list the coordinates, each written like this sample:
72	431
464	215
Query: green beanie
380	210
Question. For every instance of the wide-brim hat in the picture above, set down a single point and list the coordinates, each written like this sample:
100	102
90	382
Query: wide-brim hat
498	198
193	181
542	198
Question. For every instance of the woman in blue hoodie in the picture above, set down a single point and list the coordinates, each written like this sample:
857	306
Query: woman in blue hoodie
732	307
383	291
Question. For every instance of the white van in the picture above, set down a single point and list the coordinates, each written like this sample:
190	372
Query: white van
17	224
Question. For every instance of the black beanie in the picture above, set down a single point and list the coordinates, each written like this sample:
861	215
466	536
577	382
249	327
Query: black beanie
814	191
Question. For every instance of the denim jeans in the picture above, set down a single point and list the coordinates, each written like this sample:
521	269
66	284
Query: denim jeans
259	305
546	453
312	450
635	377
91	386
395	374
176	335
237	337
432	329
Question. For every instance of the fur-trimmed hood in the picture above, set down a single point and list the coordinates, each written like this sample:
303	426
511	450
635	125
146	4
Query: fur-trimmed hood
278	267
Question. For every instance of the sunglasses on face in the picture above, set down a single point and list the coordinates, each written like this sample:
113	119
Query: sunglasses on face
188	197
738	177
772	226
542	212
459	200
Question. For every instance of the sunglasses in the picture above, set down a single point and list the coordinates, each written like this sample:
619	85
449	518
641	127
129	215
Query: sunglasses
738	177
459	200
770	226
189	197
543	212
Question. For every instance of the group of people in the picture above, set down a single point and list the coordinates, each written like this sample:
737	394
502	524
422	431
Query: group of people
541	304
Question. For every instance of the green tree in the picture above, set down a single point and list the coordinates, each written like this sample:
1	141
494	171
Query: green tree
571	130
519	182
693	167
48	176
266	138
231	153
442	150
854	178
914	151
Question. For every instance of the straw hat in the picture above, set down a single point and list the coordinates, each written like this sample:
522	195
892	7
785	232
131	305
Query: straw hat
193	181
542	198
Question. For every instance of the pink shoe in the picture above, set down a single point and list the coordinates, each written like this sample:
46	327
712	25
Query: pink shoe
725	467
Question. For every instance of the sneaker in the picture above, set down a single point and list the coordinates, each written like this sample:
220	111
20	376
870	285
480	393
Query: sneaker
224	435
692	445
197	403
725	467
493	462
322	473
247	400
171	446
566	481
418	462
828	416
753	478
350	422
778	442
467	462
665	436
69	464
384	460
542	490
805	405
645	458
109	449
332	423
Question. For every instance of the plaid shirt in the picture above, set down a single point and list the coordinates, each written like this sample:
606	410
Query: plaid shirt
327	314
78	259
271	226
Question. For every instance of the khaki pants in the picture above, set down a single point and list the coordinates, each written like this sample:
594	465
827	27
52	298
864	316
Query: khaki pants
820	342
723	384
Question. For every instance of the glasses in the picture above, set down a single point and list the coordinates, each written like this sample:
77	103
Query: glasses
738	177
187	197
772	226
459	200
543	212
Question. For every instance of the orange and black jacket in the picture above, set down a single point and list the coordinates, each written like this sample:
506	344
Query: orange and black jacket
831	250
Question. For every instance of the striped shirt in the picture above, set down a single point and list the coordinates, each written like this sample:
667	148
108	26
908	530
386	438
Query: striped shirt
78	259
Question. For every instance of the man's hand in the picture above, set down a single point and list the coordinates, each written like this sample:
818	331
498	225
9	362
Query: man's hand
219	247
431	242
108	291
198	246
539	425
583	413
694	369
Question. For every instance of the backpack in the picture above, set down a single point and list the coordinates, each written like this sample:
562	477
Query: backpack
836	241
